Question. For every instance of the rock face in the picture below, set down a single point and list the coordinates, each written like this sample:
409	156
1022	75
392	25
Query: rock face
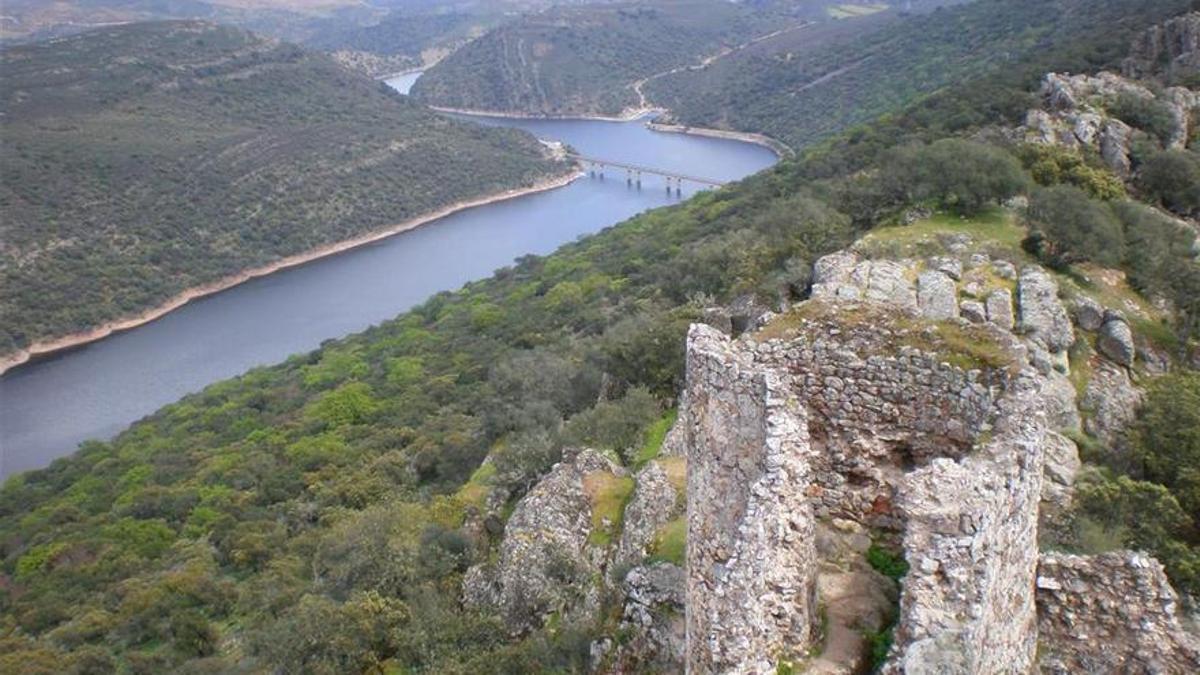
1043	317
1167	48
1110	402
1111	613
751	596
654	618
546	563
653	504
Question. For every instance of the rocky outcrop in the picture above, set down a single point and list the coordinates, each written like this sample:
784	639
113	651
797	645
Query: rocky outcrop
653	618
1109	402
1167	49
654	503
1111	613
1043	317
751	595
937	295
546	563
1061	466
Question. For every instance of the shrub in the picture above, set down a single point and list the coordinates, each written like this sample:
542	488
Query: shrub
1166	437
1173	179
1066	226
1147	114
960	175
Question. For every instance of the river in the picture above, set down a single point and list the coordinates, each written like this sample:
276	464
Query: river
48	406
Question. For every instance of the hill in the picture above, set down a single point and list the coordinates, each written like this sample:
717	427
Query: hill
586	59
147	159
802	86
329	514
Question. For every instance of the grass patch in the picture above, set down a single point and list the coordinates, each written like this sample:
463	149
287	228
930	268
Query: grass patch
995	226
879	643
967	347
888	563
676	470
608	493
670	542
655	436
475	491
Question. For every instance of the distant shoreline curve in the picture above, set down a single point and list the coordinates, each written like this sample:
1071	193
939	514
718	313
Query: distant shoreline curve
47	347
780	149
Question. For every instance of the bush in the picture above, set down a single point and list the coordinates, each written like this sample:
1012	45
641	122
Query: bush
1166	437
1147	114
1054	165
960	175
1066	226
1173	179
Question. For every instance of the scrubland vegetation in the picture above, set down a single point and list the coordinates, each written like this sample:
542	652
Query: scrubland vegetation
309	517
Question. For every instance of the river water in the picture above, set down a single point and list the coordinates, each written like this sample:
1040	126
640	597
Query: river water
49	406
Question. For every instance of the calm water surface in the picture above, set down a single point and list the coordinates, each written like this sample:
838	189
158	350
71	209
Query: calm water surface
48	407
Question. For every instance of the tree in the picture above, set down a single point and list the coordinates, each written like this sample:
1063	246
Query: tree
1173	179
960	175
1066	226
1166	437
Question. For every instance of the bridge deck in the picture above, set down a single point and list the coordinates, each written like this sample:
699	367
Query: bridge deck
647	169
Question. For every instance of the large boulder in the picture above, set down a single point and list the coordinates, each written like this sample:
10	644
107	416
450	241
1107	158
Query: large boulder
1089	315
1000	308
937	295
1110	401
1043	317
653	620
547	563
1116	341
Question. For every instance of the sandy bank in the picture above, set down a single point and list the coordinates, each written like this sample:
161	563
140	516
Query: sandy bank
45	347
775	146
627	115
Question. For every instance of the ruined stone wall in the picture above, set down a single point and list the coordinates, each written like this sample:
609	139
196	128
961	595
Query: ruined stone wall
751	558
873	417
967	604
1111	613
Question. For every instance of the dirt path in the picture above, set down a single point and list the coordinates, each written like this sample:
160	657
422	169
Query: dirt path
708	60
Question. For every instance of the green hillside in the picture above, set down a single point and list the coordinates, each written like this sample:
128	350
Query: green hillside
318	516
149	158
585	59
806	85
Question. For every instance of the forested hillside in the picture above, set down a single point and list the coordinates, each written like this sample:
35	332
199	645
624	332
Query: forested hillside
147	159
586	59
805	85
318	516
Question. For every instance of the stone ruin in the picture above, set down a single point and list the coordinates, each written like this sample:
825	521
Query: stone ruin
854	417
836	422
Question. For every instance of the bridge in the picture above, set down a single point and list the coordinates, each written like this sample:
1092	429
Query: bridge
633	173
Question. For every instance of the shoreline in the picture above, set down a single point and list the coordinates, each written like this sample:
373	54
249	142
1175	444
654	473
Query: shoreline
73	340
627	115
780	149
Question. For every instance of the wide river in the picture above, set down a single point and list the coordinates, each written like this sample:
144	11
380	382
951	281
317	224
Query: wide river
49	406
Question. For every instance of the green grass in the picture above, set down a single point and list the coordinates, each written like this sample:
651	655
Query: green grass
655	436
609	493
670	542
886	562
995	226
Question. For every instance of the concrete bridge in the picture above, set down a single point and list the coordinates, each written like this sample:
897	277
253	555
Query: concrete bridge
633	173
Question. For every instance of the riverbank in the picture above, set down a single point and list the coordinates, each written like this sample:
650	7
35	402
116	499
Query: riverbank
627	115
48	347
780	149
